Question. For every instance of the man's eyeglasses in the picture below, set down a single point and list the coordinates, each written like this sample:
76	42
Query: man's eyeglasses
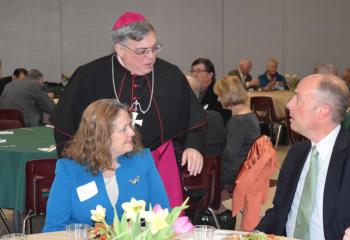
144	51
197	71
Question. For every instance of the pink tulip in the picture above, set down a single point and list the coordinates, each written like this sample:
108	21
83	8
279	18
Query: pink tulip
182	225
156	208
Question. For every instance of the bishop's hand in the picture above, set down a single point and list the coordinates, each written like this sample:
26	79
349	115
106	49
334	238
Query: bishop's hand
194	160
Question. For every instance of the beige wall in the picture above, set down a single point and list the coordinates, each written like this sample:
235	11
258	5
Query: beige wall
57	36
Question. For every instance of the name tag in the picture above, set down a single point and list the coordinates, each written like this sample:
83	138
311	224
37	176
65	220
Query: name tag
87	191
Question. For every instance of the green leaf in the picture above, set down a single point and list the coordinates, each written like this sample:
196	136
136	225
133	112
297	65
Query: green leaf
176	211
115	222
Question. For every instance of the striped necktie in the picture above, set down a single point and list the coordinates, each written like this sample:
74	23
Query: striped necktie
302	224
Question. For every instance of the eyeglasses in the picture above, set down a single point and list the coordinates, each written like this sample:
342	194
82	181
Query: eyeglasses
197	71
144	51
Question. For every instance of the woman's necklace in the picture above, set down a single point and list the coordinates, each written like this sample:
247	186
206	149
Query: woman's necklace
136	106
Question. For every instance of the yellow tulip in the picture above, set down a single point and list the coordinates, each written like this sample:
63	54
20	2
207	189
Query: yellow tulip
99	214
133	208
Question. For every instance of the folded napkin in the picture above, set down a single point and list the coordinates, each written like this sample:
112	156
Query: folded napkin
6	132
49	149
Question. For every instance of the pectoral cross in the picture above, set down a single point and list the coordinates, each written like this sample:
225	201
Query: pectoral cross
136	121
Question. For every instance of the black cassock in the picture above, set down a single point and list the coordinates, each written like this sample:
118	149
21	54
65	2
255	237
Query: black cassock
174	109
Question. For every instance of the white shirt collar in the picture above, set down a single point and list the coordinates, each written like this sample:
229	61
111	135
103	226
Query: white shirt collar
327	142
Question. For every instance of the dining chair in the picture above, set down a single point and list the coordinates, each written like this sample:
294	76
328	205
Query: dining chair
264	109
207	183
12	114
9	124
40	174
293	136
253	182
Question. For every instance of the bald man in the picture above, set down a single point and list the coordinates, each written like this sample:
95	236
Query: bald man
243	73
312	196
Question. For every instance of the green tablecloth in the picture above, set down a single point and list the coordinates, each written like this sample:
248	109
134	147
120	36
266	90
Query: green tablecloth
13	159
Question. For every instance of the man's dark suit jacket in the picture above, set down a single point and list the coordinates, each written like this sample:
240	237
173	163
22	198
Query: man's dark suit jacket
336	198
235	72
3	82
211	99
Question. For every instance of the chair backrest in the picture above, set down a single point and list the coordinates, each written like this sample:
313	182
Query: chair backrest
208	180
12	114
264	109
252	183
9	124
40	174
293	137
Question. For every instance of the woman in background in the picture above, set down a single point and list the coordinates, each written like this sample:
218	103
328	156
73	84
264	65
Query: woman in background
104	164
241	131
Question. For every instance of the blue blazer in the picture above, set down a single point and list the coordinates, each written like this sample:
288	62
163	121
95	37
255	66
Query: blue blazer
137	177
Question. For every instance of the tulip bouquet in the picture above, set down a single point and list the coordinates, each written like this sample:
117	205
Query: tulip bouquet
137	223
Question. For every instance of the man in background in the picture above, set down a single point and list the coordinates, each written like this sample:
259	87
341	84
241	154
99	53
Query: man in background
312	196
18	74
346	76
29	96
271	79
215	137
203	70
243	74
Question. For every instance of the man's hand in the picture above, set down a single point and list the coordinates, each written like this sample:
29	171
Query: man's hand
347	234
194	160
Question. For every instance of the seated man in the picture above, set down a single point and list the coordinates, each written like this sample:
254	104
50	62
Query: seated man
29	96
203	70
271	79
215	138
312	196
242	72
18	74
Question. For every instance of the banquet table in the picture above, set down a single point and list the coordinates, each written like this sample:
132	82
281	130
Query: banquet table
20	147
279	99
218	235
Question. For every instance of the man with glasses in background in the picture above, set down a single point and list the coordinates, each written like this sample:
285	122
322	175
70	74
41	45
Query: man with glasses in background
162	103
202	69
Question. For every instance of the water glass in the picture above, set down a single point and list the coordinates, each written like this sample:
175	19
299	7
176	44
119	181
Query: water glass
14	236
77	231
203	232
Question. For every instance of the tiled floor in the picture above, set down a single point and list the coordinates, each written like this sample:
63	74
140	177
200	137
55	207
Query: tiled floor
38	222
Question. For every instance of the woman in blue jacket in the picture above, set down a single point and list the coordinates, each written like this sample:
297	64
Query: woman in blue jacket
104	164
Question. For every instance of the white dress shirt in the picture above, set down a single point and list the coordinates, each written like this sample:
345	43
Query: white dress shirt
325	149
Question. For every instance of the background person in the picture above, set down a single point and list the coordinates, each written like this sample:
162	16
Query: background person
346	76
203	70
18	74
241	131
30	96
214	137
271	79
243	74
103	164
312	196
156	91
